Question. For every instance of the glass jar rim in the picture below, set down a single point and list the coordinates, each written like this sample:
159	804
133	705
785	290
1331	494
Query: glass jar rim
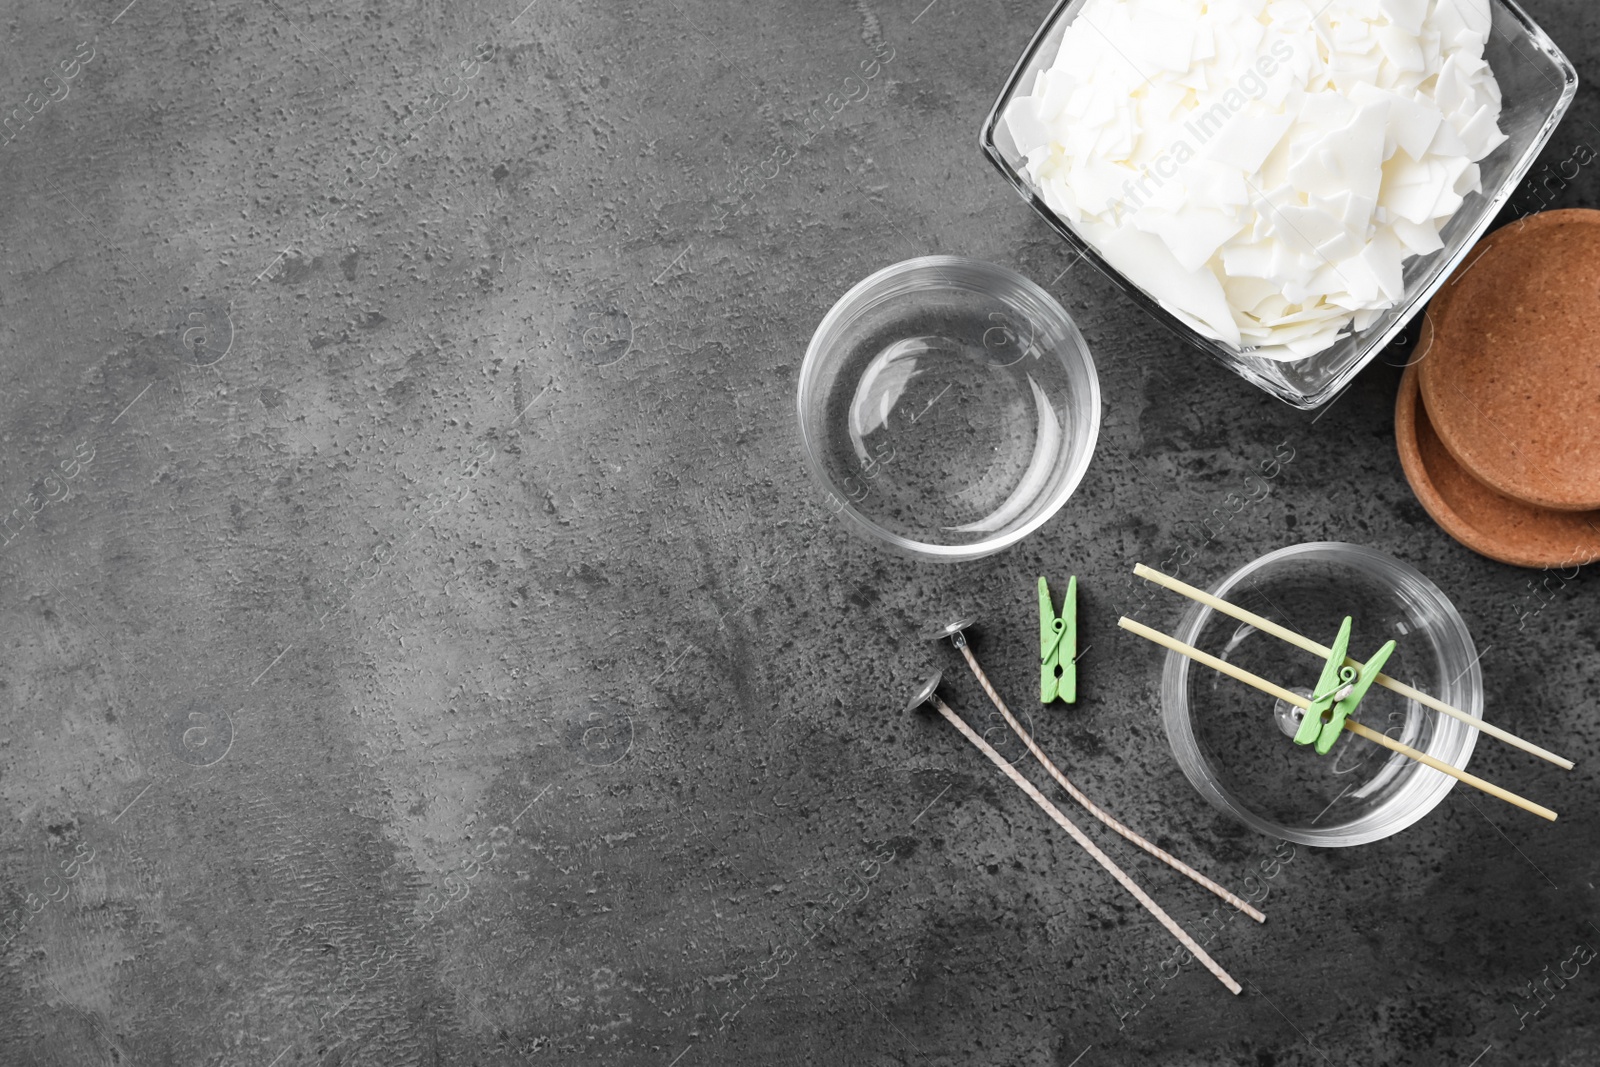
1453	742
975	275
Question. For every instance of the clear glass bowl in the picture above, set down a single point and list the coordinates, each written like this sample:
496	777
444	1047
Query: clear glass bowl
1536	83
948	407
1235	743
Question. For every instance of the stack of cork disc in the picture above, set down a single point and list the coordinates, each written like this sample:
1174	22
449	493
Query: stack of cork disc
1498	418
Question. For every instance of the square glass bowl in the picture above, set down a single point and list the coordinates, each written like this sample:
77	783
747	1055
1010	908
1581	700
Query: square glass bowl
1536	84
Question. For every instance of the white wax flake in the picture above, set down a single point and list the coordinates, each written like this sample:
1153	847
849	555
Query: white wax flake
1246	138
1193	236
1168	45
1058	85
1419	238
1247	262
1402	48
1264	168
1461	23
1481	132
1214	184
1412	122
1196	293
1096	183
1406	14
1248	293
1022	119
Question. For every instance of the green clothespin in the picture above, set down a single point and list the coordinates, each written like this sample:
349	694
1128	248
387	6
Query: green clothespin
1338	691
1058	645
1335	675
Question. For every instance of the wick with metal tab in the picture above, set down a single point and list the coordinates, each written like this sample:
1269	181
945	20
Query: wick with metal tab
955	631
927	693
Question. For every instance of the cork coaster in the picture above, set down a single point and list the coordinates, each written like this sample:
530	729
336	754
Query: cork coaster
1487	522
1511	380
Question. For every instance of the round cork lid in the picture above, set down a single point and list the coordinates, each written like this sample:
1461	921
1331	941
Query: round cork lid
1487	522
1511	380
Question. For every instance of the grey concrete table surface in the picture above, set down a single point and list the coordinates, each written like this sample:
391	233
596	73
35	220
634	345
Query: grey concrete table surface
422	642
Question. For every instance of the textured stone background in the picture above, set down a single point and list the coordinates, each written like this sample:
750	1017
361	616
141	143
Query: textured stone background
432	650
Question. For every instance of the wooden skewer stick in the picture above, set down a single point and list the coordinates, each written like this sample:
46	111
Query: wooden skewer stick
1285	634
1094	809
1089	846
1291	697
